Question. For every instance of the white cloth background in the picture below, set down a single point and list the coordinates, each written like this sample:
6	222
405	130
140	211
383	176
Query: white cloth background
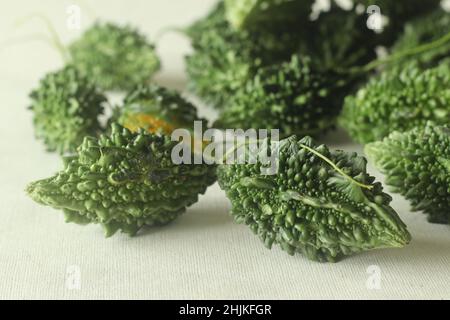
203	254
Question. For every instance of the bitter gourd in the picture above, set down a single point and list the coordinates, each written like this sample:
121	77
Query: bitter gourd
115	57
156	109
294	97
321	203
123	181
398	100
66	106
417	165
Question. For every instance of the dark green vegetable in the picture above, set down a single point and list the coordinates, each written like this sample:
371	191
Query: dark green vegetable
156	109
321	203
399	99
340	39
417	165
294	97
66	107
115	57
123	181
224	59
243	14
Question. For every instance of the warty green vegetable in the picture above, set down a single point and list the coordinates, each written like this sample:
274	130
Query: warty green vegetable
417	165
321	203
156	109
115	57
294	96
66	106
123	181
398	100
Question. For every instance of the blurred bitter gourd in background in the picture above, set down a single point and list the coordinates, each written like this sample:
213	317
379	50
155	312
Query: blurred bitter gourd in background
66	106
417	165
425	30
292	96
156	109
243	14
115	57
123	181
321	203
398	100
223	59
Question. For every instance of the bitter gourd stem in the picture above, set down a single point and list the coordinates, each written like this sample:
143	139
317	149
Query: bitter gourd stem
403	54
55	39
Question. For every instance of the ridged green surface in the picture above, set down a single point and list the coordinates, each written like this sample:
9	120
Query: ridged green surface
309	207
293	96
243	14
66	106
166	107
123	181
115	57
398	100
417	165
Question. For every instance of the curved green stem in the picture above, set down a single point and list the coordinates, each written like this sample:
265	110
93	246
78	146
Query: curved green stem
335	167
400	55
32	37
56	40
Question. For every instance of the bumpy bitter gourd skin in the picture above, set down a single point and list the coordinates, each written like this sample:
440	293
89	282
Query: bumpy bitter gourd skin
157	109
293	96
398	100
123	181
423	30
311	208
115	57
417	165
243	14
66	107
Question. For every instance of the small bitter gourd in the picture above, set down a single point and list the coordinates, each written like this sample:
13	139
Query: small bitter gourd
115	57
417	165
398	100
293	96
156	109
321	203
66	106
123	181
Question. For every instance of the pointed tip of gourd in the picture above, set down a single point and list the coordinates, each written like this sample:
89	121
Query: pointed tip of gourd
400	240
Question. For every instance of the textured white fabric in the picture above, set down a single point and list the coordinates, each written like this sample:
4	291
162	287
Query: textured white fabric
203	254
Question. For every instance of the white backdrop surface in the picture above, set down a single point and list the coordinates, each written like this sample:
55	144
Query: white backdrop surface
203	254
